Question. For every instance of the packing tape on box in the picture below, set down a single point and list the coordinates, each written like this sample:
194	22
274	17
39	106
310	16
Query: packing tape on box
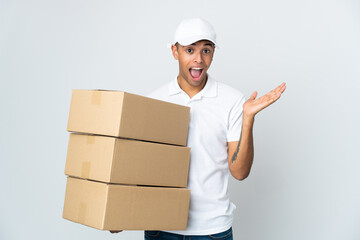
85	169
90	139
96	97
82	212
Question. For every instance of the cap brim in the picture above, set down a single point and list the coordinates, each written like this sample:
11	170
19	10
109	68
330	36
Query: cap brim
189	42
193	39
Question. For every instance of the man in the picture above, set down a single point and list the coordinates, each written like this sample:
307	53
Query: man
220	132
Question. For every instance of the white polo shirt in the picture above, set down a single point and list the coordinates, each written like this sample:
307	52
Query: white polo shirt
215	119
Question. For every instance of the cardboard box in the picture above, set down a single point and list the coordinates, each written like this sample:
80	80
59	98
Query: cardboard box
121	114
115	160
120	207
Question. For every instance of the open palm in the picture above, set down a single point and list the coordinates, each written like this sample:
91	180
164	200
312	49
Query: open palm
252	106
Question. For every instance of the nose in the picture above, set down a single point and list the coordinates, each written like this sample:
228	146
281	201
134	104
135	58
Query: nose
198	57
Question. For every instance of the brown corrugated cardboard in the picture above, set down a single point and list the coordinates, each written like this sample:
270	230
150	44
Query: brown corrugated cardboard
120	207
116	160
121	114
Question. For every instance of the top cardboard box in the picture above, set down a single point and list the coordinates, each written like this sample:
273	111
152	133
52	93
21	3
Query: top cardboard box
121	114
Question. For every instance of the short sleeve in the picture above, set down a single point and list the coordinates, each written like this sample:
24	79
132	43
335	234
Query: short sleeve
235	120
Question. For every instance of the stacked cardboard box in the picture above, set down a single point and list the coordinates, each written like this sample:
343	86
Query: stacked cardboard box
127	162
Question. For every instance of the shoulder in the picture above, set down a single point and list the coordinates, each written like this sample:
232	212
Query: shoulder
160	92
229	93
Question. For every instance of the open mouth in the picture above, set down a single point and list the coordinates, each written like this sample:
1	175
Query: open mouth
196	73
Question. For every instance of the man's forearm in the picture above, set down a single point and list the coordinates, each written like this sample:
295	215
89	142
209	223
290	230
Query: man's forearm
242	155
242	158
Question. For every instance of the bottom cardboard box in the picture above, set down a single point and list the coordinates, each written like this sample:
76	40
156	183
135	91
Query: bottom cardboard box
108	206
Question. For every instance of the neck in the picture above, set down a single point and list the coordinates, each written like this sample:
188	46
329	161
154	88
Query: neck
190	90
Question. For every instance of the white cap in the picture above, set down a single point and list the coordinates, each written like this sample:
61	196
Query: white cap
193	30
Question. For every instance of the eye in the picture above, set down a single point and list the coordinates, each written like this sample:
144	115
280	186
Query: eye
189	50
206	51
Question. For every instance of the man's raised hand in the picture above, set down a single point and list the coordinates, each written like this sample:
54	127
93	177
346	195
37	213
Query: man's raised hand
252	106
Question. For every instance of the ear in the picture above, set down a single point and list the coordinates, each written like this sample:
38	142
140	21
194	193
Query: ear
175	51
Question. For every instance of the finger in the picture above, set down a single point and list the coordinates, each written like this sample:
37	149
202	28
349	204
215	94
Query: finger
275	90
280	91
272	97
253	96
278	88
278	95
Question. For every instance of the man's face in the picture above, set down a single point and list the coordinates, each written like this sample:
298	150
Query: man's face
194	61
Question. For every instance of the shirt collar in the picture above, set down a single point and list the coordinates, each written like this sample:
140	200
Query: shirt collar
209	90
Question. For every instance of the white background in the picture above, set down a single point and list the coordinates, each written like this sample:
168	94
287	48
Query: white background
305	181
